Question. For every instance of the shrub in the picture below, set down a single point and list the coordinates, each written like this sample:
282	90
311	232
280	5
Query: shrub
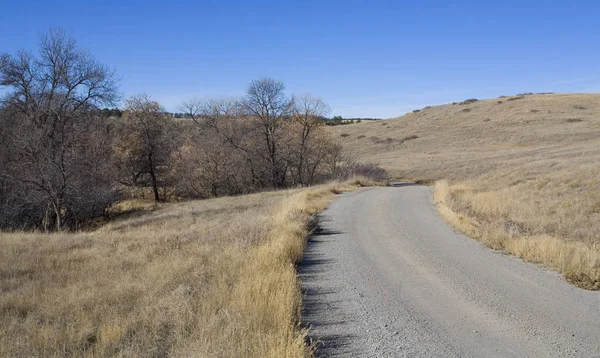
410	137
366	170
468	101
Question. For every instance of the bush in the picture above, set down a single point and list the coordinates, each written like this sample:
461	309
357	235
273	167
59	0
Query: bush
468	101
410	137
366	170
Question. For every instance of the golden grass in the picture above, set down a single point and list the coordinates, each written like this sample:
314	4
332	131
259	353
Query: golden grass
209	278
522	175
579	261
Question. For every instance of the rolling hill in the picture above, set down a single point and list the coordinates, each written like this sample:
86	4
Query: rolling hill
521	173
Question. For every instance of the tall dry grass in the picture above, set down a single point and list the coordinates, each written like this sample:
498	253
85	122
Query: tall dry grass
213	278
522	173
488	217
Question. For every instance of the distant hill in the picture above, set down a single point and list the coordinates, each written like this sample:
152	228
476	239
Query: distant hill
471	138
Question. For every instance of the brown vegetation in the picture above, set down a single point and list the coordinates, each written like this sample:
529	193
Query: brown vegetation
203	278
64	162
523	181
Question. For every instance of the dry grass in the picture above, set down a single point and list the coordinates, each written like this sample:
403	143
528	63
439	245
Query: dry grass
524	174
213	278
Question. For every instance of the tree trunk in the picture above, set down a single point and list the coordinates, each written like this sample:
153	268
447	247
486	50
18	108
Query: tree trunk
154	185
152	173
58	217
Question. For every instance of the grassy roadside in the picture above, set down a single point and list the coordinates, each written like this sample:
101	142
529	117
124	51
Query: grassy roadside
206	278
489	216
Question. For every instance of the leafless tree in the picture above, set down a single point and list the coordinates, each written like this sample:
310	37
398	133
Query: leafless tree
144	145
52	101
309	143
267	103
193	109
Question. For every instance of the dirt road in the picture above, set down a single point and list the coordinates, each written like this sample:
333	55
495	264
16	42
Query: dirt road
384	276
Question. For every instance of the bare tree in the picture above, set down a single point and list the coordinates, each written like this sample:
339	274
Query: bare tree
53	101
308	141
144	146
267	103
193	109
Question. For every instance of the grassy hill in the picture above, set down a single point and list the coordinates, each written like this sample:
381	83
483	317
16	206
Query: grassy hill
522	172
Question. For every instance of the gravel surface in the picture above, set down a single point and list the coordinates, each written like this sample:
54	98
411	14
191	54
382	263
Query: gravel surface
384	276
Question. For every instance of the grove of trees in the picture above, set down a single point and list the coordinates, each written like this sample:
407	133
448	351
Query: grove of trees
65	158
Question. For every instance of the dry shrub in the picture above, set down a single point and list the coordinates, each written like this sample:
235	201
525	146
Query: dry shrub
468	101
407	138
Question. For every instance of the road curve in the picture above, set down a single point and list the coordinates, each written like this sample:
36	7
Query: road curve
384	276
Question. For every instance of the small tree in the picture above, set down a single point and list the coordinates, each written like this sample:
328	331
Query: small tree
307	120
144	146
267	103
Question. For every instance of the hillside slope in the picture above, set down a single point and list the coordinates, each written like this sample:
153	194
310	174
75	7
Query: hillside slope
466	140
524	172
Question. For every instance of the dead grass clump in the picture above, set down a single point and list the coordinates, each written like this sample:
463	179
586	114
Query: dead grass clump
466	110
574	120
515	98
579	107
361	136
204	278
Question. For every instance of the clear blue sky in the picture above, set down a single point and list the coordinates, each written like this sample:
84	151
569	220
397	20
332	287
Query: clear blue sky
365	58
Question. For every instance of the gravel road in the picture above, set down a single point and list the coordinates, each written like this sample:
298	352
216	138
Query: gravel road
384	276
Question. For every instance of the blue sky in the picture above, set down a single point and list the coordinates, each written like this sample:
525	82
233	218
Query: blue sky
364	58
